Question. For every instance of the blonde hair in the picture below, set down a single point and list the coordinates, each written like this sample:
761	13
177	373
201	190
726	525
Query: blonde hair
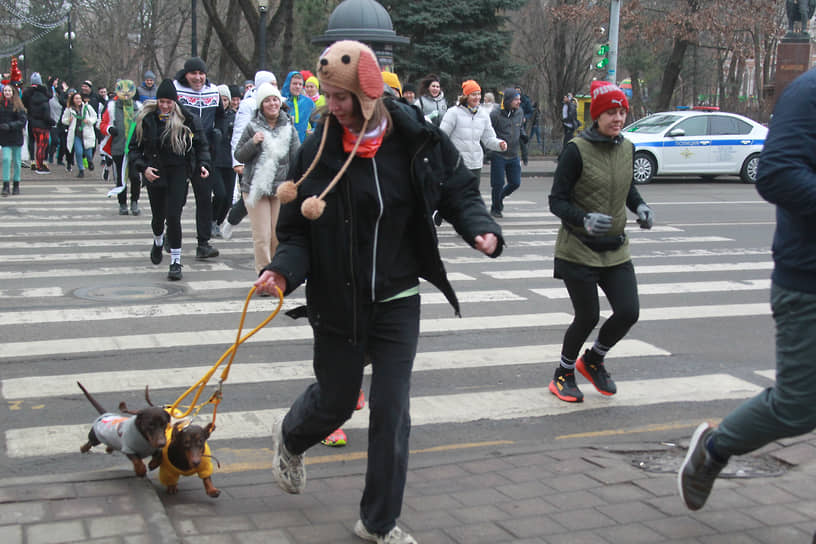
175	133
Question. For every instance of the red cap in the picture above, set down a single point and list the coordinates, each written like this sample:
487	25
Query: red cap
605	96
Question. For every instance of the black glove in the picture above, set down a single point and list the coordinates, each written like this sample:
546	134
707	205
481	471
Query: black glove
597	224
4	126
113	131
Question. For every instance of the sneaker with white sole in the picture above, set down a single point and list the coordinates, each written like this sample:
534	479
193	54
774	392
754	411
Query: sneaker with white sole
394	536
288	470
699	470
226	230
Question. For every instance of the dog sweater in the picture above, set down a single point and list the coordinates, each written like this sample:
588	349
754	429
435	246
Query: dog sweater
120	433
169	474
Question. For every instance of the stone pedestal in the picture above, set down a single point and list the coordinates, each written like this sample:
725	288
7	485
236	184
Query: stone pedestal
793	58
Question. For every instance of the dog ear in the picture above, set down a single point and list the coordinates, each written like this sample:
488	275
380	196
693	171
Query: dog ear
178	427
209	429
124	409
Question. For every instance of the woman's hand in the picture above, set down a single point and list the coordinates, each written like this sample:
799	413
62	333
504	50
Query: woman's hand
258	137
238	169
151	174
486	243
204	173
503	145
269	282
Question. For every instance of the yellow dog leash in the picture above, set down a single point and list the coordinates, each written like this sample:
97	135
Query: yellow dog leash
199	386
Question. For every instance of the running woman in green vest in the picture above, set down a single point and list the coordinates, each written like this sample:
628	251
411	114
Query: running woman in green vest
591	190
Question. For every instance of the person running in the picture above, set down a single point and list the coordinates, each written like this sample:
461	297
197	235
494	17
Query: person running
35	100
80	119
592	188
266	148
12	124
167	146
116	129
364	246
202	99
787	179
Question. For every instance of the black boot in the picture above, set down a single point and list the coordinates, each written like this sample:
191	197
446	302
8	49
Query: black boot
6	188
15	188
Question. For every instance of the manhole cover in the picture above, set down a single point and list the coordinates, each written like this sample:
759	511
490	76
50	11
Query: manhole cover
749	466
120	292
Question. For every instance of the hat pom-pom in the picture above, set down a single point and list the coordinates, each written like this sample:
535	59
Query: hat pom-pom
312	208
286	192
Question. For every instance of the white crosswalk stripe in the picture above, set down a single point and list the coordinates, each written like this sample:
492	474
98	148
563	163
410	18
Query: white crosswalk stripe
80	242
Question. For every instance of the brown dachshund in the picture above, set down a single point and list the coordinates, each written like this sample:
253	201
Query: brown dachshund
185	454
137	434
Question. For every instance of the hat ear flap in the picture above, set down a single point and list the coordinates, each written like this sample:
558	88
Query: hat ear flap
369	75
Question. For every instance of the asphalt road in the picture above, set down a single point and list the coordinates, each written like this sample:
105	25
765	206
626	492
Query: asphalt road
80	300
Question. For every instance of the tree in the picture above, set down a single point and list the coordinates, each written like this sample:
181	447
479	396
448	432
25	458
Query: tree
457	40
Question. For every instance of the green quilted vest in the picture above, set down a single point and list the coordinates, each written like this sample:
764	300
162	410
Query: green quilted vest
603	187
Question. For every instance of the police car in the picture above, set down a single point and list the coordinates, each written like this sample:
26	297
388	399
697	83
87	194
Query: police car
696	143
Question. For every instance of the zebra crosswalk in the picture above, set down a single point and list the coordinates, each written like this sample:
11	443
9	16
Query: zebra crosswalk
63	239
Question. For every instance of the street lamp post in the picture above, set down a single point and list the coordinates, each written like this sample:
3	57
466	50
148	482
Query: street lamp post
263	6
70	37
193	37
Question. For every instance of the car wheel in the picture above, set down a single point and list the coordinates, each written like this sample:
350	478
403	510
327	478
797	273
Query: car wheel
748	174
644	168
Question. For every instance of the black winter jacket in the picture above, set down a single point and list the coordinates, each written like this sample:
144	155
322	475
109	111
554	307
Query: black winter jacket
12	124
35	100
331	251
152	152
787	178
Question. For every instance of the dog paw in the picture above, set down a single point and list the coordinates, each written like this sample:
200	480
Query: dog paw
153	464
214	493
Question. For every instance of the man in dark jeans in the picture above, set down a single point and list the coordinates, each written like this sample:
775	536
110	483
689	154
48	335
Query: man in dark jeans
201	98
787	179
507	123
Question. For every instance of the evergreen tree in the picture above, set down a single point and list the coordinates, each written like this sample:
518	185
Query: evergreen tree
457	40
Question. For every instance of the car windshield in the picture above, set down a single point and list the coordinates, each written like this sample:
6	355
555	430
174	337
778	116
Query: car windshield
652	124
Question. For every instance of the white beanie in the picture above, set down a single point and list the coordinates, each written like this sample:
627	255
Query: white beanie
223	90
263	76
264	91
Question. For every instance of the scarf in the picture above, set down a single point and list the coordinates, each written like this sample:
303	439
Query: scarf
370	143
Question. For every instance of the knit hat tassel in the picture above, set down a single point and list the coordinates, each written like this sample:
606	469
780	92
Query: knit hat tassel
313	207
287	191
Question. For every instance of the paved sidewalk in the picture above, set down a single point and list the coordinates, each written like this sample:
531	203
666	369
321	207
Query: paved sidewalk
492	494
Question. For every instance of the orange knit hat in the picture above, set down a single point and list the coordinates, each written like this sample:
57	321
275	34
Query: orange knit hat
469	87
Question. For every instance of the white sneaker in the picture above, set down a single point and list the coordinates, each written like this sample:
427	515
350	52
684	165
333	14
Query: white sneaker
394	536
226	230
287	468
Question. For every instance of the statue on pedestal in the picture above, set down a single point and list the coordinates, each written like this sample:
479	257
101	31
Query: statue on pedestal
801	11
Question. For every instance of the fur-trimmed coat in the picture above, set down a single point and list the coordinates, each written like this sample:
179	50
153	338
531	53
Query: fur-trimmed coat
69	119
267	163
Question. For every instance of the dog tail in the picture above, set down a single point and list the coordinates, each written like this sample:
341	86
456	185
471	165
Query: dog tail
92	400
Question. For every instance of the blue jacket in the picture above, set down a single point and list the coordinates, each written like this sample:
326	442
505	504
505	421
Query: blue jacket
787	178
300	107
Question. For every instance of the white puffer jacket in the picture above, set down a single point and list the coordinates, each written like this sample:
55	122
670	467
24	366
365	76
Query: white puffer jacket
466	130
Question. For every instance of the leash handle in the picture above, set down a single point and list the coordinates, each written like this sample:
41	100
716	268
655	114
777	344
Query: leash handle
202	383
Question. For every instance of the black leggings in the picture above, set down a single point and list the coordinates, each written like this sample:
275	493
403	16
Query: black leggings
167	201
620	286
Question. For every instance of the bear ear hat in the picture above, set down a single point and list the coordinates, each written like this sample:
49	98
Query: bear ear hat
352	66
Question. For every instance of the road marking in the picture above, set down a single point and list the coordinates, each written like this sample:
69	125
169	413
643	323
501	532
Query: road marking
674	288
168	309
32	292
289	333
632	241
641	269
110	271
429	410
247	373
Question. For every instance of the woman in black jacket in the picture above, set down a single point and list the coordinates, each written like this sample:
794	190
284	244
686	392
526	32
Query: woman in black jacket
12	123
364	242
167	146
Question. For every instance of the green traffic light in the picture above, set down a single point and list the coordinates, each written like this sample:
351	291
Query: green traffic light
603	50
601	63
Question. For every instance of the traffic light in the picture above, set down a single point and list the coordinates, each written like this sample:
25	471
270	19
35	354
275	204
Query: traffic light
603	52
